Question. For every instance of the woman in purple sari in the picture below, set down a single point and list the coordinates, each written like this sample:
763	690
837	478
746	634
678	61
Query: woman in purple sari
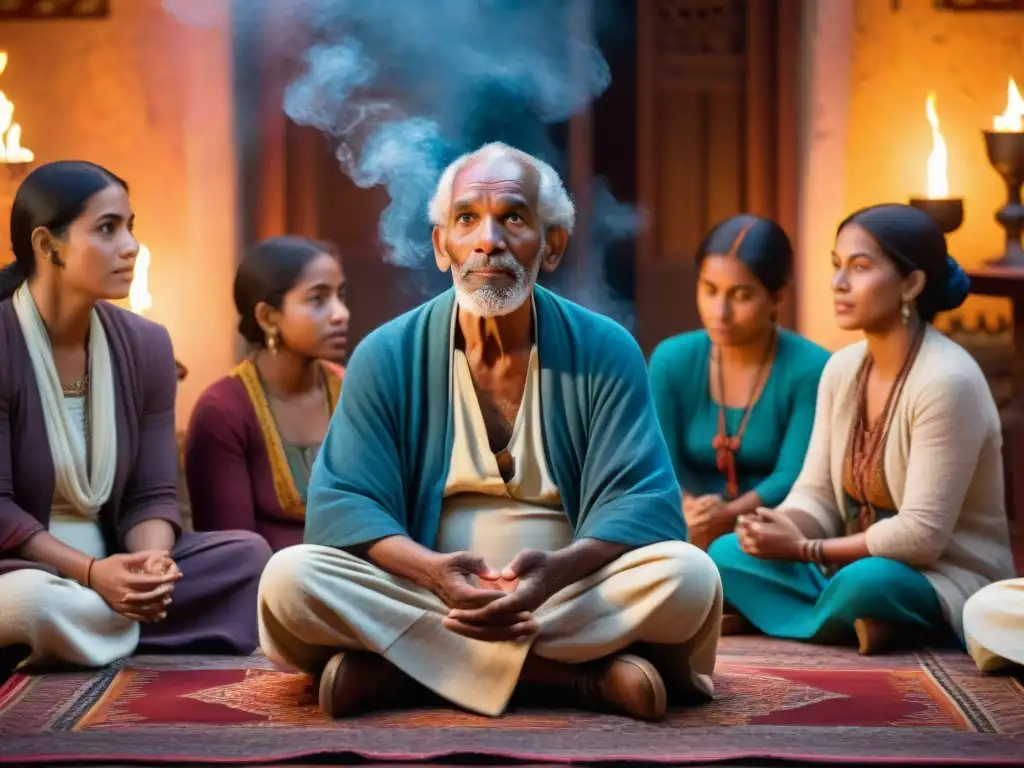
93	563
254	434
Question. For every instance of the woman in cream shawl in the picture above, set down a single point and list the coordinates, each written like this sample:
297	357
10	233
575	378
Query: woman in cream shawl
93	563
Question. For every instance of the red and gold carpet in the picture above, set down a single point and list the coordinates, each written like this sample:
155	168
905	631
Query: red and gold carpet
776	700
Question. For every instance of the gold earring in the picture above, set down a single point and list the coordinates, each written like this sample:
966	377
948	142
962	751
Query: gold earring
272	340
905	313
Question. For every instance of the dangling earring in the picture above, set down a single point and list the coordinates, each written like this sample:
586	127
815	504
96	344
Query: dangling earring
272	340
905	313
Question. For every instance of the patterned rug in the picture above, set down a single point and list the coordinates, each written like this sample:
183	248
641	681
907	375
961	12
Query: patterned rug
776	700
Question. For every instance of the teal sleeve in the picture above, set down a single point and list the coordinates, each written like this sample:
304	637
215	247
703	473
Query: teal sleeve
629	492
670	400
774	488
355	489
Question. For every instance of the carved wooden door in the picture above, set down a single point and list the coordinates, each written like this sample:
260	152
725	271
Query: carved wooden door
716	136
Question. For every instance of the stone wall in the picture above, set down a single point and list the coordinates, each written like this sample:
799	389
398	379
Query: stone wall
868	67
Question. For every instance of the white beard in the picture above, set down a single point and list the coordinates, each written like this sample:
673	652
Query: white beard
490	301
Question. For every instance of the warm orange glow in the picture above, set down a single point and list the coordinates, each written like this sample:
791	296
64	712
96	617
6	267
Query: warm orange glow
139	298
1012	120
11	150
938	158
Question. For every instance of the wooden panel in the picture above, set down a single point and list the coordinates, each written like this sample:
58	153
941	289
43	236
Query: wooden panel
646	127
692	69
678	212
789	26
760	128
307	152
691	164
725	174
980	5
718	91
581	158
54	9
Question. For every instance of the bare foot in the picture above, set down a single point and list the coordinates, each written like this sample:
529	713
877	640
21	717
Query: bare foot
874	636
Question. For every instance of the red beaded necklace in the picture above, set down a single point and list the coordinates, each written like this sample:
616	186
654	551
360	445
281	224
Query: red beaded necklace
726	446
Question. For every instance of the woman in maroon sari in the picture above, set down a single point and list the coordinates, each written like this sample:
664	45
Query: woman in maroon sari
254	434
93	563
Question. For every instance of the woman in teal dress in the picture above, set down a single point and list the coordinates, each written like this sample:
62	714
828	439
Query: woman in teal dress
736	399
898	514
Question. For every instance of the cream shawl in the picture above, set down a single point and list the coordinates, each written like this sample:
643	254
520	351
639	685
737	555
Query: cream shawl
87	489
943	465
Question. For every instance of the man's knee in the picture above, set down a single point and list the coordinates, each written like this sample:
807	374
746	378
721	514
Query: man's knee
989	600
288	581
693	575
287	577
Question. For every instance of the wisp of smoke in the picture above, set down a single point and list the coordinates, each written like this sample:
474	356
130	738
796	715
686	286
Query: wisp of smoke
405	86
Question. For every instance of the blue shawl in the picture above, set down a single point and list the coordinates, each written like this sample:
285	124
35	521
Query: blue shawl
383	465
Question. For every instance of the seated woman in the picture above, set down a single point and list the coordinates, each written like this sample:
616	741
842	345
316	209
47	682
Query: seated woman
994	625
897	516
93	564
254	434
736	399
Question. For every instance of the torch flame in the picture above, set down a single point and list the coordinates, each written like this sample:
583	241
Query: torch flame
1012	120
11	150
139	298
938	159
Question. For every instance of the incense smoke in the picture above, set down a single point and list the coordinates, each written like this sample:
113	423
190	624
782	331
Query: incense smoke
405	86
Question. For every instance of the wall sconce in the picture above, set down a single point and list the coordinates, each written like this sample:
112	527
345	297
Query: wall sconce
947	212
1005	146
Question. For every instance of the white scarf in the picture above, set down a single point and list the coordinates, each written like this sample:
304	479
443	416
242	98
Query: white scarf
86	489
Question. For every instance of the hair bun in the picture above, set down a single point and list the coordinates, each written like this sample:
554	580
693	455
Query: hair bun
957	287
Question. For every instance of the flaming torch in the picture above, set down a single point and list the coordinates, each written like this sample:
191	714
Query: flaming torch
1005	146
948	212
12	153
140	299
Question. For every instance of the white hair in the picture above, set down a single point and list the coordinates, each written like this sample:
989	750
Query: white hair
553	202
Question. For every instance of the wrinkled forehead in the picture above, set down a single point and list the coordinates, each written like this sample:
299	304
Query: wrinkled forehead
496	177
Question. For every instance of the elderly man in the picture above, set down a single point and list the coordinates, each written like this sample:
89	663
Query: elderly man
494	503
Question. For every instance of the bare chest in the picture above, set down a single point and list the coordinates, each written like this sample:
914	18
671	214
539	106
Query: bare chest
499	392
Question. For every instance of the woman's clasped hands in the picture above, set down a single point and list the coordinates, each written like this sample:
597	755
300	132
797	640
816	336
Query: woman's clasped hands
138	585
769	535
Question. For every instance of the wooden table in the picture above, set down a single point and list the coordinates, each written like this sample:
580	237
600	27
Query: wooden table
1008	282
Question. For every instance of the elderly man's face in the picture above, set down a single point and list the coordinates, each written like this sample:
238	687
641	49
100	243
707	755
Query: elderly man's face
494	241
